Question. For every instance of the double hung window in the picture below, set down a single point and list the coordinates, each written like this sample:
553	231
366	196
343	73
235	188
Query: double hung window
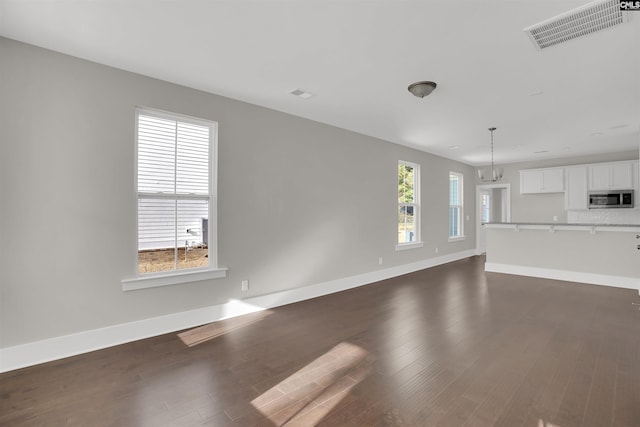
175	191
408	204
456	197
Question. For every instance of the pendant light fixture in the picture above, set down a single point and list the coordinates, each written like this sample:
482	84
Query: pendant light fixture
495	174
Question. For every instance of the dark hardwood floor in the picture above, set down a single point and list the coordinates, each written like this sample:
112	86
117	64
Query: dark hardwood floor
450	346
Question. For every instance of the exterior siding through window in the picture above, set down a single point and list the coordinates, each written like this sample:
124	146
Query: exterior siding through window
174	191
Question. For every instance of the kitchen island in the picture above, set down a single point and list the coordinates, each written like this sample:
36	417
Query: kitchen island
601	254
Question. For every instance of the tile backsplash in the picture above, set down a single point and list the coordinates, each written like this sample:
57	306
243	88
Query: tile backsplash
605	216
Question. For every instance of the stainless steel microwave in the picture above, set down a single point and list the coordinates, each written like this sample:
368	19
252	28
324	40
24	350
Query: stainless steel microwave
610	199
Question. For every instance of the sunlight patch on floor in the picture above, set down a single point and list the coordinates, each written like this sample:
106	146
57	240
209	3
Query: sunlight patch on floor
542	423
308	395
213	330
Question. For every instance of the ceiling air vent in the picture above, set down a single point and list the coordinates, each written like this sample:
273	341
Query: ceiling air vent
301	93
575	23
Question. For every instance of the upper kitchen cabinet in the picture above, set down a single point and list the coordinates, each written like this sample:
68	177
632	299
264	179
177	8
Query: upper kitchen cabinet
575	197
611	176
548	180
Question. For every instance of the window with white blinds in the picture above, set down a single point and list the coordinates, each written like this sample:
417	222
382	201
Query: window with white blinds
175	191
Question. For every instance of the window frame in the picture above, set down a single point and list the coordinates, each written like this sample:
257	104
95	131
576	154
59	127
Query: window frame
177	276
460	235
417	211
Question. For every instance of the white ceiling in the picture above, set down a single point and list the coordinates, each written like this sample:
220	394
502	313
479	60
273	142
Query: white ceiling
358	57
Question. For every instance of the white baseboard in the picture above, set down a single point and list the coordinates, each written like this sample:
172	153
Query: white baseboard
569	276
37	352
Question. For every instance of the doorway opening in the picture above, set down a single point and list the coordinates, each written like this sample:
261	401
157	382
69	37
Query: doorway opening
493	204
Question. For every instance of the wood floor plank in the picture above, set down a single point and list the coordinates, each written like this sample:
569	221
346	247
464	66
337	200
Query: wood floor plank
547	401
627	389
446	346
599	408
576	395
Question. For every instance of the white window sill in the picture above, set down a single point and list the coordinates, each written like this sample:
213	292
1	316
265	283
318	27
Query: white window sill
406	246
457	239
174	278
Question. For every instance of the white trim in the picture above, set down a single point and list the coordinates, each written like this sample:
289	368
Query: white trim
456	239
417	213
461	227
570	276
406	246
506	205
172	278
33	353
213	202
168	115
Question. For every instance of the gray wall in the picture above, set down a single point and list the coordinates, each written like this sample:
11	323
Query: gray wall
608	253
300	202
496	204
543	207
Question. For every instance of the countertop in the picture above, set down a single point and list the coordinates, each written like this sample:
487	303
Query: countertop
552	226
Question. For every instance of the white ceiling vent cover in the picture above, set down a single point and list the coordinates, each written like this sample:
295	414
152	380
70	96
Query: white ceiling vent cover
575	23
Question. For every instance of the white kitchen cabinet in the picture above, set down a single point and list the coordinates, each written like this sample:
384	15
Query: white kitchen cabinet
611	176
530	181
575	196
549	180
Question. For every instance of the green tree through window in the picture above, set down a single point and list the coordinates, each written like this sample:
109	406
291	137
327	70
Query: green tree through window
407	202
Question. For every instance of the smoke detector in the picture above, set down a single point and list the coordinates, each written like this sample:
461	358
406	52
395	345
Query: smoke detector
590	18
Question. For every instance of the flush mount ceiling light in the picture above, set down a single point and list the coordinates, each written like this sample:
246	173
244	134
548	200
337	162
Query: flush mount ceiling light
495	174
422	89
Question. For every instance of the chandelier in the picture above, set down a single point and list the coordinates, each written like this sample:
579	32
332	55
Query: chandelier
495	174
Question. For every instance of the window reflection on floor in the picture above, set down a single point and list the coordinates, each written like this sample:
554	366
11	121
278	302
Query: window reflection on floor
213	330
307	396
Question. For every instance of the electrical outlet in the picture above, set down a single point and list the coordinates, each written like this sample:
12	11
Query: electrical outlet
436	250
380	260
245	285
